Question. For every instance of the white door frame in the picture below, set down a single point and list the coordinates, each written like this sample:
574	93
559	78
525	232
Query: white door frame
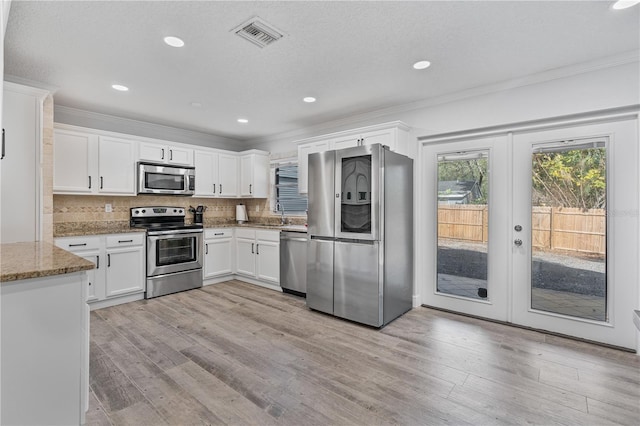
428	233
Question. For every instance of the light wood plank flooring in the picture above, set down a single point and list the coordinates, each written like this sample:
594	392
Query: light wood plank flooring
238	354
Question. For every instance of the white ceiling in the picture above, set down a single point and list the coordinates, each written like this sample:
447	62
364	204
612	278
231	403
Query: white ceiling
354	57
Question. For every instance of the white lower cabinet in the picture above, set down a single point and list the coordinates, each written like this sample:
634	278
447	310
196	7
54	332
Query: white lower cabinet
120	265
218	252
258	254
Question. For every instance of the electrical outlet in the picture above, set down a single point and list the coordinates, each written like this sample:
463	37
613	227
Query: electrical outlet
257	208
108	208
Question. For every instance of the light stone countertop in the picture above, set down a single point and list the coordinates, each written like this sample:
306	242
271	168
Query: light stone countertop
21	261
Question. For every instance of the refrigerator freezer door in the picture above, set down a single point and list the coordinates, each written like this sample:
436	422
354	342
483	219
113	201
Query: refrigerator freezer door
321	194
357	287
320	274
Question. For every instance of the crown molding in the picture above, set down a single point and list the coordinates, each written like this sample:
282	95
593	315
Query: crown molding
621	59
31	83
69	115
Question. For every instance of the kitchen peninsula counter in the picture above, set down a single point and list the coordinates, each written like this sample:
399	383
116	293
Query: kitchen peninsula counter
20	261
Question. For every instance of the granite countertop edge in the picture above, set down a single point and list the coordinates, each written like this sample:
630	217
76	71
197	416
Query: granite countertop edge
22	261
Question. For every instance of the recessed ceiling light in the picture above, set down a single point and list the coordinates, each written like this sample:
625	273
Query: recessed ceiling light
623	4
243	120
196	104
174	41
309	99
420	65
120	87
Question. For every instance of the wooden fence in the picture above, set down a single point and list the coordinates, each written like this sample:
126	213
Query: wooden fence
560	228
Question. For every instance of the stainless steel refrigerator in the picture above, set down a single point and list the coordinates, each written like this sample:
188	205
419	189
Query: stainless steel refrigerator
360	248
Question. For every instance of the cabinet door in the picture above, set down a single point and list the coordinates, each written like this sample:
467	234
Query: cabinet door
303	161
205	184
125	271
246	176
245	257
95	289
345	142
268	261
179	155
227	175
116	164
73	170
218	257
383	137
153	152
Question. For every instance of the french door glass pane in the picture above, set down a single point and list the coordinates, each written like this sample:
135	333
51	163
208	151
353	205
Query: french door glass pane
569	232
463	224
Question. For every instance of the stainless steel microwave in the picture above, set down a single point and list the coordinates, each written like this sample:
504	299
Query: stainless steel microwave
166	180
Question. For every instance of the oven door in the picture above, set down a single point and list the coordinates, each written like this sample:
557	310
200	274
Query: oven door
173	251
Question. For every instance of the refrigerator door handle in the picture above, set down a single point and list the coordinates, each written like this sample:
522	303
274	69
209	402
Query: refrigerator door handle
321	238
356	241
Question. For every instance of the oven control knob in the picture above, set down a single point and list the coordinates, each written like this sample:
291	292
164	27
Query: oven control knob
174	210
137	211
144	211
180	211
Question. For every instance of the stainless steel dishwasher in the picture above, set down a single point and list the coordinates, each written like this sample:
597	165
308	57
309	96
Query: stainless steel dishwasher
293	262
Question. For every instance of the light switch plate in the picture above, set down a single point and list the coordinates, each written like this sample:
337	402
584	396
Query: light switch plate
257	208
108	208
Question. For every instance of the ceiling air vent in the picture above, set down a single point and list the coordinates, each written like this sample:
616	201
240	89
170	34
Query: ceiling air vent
258	32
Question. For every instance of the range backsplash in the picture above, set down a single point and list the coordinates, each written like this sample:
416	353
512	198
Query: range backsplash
88	209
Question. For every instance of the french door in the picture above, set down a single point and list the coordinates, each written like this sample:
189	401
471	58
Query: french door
537	228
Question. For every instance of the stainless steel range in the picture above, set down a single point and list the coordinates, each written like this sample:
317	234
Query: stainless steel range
174	249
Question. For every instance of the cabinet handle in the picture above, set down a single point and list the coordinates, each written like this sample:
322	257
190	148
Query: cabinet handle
162	158
214	188
257	248
89	182
98	262
250	188
89	283
3	146
219	233
108	260
78	245
206	249
252	244
125	241
101	182
220	192
170	155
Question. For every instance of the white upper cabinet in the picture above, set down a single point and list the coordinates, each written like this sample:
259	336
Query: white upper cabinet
85	163
303	160
116	166
254	174
216	174
166	154
73	168
395	135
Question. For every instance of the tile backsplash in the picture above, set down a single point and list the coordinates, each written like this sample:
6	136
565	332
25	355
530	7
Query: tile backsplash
91	208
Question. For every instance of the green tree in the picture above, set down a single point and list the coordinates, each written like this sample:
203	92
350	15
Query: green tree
573	178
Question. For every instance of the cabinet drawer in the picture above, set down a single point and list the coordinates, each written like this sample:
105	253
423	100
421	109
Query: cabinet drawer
267	235
125	240
210	234
75	244
246	233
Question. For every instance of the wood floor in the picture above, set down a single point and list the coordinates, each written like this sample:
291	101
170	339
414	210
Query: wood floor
238	354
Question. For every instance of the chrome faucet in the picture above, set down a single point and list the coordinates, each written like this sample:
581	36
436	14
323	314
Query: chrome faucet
280	207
